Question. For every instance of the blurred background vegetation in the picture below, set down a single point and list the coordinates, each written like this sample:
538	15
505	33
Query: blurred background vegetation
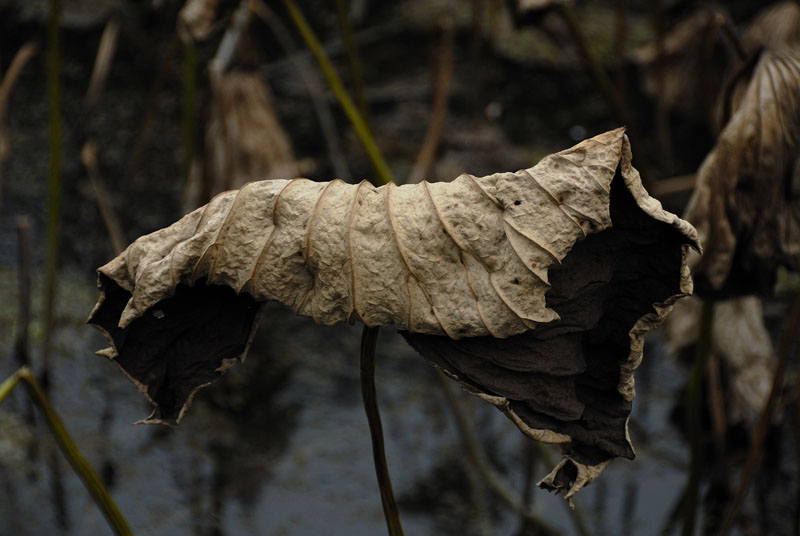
116	117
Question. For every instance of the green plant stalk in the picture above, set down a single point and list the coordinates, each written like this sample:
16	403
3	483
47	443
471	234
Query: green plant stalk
369	335
54	141
317	95
188	106
90	479
54	173
359	124
369	341
8	385
352	57
694	403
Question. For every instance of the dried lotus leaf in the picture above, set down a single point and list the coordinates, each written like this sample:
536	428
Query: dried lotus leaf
746	204
741	341
776	27
533	289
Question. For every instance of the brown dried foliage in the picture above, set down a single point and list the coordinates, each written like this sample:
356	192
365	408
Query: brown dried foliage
746	205
533	289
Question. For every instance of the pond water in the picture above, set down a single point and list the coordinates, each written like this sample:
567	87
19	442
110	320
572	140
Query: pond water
281	446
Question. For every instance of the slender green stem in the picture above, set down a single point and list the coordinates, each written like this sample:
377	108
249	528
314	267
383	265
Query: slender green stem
54	172
53	82
8	385
90	479
694	399
352	57
369	336
310	78
362	129
369	341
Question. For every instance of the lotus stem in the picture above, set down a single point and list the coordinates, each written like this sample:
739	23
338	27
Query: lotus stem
694	400
369	341
73	454
354	63
384	175
316	94
54	174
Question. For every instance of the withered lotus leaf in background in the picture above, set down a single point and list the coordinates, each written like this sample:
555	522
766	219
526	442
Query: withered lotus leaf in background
533	289
746	204
776	27
741	342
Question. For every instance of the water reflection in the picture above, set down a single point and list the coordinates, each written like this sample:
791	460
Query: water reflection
280	446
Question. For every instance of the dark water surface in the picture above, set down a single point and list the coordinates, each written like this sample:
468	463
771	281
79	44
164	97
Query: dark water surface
281	446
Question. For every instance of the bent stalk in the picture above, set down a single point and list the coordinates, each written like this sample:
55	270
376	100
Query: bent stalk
369	340
90	479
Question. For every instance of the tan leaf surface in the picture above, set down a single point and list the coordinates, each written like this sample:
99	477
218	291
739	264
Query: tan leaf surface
746	205
776	27
532	288
741	341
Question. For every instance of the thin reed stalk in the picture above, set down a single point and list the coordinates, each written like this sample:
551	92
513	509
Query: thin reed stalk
441	90
24	271
7	81
384	175
694	412
481	462
310	79
369	335
23	55
54	176
369	341
662	111
113	226
68	447
102	62
353	61
53	83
